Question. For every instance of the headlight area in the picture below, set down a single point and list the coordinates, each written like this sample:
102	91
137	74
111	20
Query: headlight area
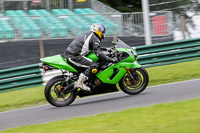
134	54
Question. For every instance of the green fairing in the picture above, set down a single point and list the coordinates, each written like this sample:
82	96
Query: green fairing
93	57
129	62
58	62
105	76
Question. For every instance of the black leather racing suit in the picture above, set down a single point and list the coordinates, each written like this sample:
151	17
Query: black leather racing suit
80	47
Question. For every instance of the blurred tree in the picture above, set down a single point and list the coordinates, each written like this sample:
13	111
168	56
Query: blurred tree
177	6
124	5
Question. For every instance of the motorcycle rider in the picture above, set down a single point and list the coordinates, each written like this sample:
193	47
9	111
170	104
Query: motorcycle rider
80	47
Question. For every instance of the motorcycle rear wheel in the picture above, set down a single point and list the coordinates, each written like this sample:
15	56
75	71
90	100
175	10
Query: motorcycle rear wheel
134	87
52	92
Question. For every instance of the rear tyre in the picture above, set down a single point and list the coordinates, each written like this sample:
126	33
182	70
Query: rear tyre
134	86
52	92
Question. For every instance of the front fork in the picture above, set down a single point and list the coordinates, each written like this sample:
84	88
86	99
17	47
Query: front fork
132	74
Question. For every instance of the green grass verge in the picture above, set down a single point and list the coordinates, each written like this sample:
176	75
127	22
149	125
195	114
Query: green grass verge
158	75
22	98
174	73
178	117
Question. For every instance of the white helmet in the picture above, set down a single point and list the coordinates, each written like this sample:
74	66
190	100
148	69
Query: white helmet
99	29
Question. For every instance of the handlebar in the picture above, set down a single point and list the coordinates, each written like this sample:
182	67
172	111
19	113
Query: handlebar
112	51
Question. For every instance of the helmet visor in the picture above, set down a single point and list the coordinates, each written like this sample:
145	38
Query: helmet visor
103	31
103	35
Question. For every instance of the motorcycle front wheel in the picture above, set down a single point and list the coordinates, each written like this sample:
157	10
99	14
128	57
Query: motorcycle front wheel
136	83
53	93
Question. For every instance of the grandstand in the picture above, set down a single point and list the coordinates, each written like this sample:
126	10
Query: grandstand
23	24
6	30
24	19
57	23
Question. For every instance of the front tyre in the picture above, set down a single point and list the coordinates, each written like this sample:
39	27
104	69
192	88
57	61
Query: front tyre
52	92
136	83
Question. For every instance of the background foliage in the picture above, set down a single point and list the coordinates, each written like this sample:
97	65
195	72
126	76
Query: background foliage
124	5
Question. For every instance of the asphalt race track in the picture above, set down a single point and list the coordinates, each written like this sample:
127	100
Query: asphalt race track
104	103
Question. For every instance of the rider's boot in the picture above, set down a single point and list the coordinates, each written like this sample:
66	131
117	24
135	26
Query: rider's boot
79	83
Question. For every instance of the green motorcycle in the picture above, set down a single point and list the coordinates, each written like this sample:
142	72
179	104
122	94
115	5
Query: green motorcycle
126	74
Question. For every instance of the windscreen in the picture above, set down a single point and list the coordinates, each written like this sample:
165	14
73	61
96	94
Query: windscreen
121	44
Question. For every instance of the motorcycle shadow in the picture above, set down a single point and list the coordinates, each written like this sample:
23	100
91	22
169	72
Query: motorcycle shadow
105	98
